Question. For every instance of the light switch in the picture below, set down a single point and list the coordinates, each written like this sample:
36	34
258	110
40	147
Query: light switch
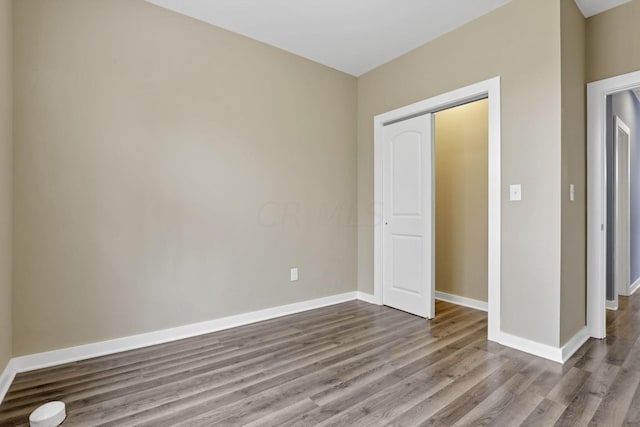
294	274
572	192
515	192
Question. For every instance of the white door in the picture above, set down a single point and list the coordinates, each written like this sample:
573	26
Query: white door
622	232
408	239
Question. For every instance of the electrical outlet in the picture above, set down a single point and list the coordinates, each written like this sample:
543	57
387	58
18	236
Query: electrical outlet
572	192
515	192
294	274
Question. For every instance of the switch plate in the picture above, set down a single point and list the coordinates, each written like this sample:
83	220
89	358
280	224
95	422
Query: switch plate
294	274
515	192
572	192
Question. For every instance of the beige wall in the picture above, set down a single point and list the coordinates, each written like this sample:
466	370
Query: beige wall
159	180
6	160
521	43
461	141
574	251
613	42
169	172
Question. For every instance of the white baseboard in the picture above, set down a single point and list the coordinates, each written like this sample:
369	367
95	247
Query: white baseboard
575	343
466	302
362	296
611	305
88	351
555	354
634	286
67	355
532	347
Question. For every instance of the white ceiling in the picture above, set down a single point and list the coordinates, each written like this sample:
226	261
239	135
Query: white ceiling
354	36
593	7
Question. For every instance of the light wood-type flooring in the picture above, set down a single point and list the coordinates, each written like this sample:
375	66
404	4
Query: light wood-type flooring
352	364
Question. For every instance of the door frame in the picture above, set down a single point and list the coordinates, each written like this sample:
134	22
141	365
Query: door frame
597	93
486	89
622	266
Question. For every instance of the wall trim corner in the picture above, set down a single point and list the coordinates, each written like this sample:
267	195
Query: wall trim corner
6	378
575	343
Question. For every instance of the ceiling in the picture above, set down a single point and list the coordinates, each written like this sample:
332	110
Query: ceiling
353	36
593	7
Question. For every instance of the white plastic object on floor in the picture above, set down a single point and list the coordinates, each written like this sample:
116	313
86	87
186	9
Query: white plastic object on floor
51	414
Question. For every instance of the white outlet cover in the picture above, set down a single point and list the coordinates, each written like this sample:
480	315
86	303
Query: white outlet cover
515	192
572	192
294	274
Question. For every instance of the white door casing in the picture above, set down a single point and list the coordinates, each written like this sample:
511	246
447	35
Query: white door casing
486	89
408	242
597	93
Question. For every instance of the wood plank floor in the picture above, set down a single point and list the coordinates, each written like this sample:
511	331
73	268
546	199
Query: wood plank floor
351	364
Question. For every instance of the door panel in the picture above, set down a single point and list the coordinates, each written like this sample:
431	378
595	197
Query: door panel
408	238
406	172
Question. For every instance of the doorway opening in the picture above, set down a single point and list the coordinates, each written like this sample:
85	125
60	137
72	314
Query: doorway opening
461	204
613	206
623	197
386	212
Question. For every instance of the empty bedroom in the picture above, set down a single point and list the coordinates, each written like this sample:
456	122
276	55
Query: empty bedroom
284	213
